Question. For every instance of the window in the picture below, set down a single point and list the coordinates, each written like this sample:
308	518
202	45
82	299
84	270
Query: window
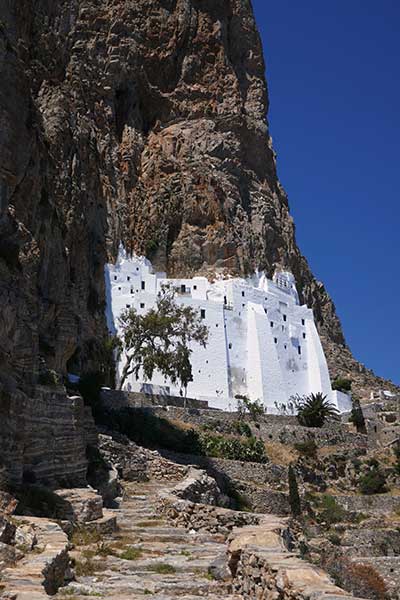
242	294
225	300
142	305
304	336
119	289
202	313
299	349
230	346
128	278
143	285
115	278
272	323
265	310
216	324
137	268
276	340
195	287
303	322
183	288
131	290
285	347
243	305
284	317
128	306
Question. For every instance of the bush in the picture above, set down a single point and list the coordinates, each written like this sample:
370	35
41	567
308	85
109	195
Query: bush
48	377
242	428
341	384
294	498
331	511
373	482
307	448
218	446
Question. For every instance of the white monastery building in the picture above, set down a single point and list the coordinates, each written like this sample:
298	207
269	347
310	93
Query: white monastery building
261	342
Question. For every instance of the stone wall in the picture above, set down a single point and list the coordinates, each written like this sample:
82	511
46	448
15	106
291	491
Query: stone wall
117	399
43	438
377	503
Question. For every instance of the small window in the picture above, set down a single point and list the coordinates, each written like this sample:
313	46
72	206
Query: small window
242	294
285	347
304	336
203	313
299	349
183	288
265	310
284	317
243	305
303	322
128	278
230	346
143	285
225	300
195	287
276	340
272	323
216	324
142	305
115	278
128	306
137	268
119	289
131	290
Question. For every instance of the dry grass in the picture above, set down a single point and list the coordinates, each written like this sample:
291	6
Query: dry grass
281	454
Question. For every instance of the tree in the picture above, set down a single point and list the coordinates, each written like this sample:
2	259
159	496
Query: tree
294	497
314	410
160	340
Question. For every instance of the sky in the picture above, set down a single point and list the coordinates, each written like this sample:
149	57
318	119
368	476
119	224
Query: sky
333	76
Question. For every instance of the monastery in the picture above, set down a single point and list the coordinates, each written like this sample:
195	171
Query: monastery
262	343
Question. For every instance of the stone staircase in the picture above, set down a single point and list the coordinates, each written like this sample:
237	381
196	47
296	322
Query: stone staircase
148	556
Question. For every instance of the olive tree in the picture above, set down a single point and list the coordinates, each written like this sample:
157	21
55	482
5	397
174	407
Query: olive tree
161	339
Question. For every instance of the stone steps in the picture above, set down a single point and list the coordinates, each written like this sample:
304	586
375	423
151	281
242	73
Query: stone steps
171	562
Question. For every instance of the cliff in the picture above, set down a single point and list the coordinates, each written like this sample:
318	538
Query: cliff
143	121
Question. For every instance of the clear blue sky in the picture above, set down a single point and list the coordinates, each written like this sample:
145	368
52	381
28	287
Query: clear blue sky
333	70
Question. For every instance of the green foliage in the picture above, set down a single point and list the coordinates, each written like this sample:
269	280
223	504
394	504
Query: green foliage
307	448
331	511
334	539
131	554
315	410
48	377
341	384
219	446
253	407
242	428
396	450
373	482
163	569
160	340
294	497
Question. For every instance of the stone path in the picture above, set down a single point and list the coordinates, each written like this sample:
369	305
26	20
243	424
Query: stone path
147	557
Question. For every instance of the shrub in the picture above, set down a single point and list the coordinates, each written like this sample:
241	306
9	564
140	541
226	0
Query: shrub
373	482
163	569
307	448
331	511
334	539
242	428
131	554
294	498
314	410
341	384
219	446
48	377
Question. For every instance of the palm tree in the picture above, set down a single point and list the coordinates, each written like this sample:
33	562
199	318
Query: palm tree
314	410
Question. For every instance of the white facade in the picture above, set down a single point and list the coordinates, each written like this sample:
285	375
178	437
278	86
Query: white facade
261	342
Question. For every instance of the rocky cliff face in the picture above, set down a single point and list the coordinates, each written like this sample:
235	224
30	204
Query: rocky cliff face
138	120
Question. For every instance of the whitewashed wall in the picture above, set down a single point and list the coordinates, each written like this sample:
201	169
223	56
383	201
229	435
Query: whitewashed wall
261	342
